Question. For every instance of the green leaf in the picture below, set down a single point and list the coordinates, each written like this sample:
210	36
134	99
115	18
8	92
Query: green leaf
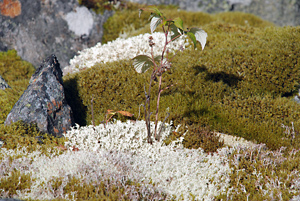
178	23
175	31
192	37
157	58
155	21
155	10
142	63
164	23
200	36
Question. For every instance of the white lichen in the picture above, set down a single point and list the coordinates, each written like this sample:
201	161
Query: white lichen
121	49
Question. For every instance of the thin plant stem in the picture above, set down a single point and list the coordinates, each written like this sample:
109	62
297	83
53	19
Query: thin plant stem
162	126
157	106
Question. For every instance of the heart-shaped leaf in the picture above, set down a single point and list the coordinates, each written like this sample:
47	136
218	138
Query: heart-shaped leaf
157	58
175	31
155	21
142	63
193	38
155	10
178	23
200	36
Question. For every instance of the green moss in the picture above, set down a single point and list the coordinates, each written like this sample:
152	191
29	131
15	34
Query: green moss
120	22
98	190
202	137
244	19
127	21
266	59
15	181
20	134
16	73
259	174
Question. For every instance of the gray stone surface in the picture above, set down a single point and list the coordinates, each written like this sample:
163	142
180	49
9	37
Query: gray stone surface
43	102
3	84
38	28
280	12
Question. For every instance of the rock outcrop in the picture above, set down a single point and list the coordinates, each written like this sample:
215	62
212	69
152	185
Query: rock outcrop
3	84
282	13
38	28
43	102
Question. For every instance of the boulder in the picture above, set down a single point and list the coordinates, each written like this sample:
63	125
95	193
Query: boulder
3	84
43	102
282	13
37	28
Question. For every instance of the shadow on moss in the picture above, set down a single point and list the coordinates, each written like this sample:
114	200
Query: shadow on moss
74	100
227	78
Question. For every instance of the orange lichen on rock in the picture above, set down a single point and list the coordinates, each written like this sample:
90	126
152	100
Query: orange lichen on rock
55	130
11	8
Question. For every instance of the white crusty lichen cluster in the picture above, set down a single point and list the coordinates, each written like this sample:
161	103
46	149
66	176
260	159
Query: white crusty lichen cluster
173	168
121	49
121	152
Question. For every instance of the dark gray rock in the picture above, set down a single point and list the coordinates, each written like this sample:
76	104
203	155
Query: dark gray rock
3	84
280	12
38	28
43	102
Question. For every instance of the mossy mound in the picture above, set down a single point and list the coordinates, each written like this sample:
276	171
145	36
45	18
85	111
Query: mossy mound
16	73
127	22
267	58
16	181
101	190
202	137
259	174
19	134
75	188
241	84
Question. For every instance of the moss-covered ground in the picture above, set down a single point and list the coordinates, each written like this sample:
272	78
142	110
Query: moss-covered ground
242	84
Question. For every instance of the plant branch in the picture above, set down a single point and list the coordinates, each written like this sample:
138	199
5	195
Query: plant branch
162	126
153	60
140	111
157	106
175	54
147	113
167	87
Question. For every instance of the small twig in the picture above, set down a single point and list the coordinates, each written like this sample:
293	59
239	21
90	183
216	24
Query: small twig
168	87
157	106
147	113
139	111
162	126
180	49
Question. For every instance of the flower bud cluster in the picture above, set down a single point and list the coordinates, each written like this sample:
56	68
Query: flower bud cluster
151	43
